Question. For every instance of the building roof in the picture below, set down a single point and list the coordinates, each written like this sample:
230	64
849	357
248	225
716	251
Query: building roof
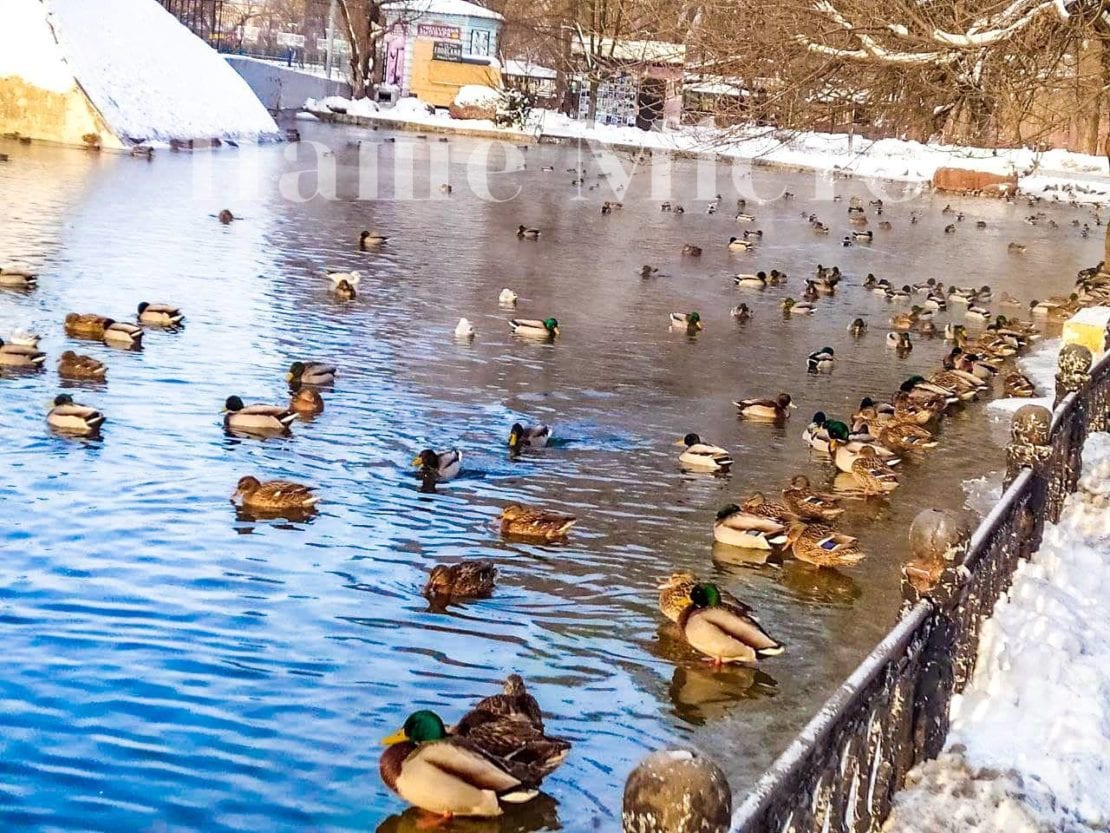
636	51
526	69
456	8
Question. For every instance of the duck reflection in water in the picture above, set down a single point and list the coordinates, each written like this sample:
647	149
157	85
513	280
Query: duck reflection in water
826	586
539	814
701	694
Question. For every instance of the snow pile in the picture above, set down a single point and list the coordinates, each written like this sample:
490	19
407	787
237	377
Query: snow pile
476	95
1038	707
151	79
28	48
1040	367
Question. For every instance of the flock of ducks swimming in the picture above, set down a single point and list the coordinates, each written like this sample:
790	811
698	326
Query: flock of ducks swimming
498	753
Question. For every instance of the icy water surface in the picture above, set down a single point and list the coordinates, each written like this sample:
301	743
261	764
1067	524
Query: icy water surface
169	667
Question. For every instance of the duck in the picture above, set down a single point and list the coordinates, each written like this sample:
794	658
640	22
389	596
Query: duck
873	412
20	355
846	450
1016	248
691	250
808	504
955	333
756	281
464	329
674	595
724	633
735	244
906	436
702	456
225	216
74	366
775	277
507	297
531	436
978	313
822	546
102	328
821	360
873	475
757	504
858	327
792	307
935	302
755	232
745	217
741	312
527	233
766	409
548	328
256	419
530	522
26	338
345	291
820	227
686	320
448	776
649	271
816	434
70	417
160	315
273	497
810	293
15	277
311	373
472	579
306	401
865	236
899	341
445	465
1019	385
885	225
738	528
352	278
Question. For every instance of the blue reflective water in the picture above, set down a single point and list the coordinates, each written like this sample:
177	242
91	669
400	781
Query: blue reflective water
170	667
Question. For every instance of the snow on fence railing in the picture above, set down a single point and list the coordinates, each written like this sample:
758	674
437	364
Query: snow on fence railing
840	774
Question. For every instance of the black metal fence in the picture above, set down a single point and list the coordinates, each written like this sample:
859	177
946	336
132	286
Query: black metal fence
205	18
840	774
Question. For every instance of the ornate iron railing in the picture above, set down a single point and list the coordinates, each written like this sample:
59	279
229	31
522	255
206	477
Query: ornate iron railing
840	774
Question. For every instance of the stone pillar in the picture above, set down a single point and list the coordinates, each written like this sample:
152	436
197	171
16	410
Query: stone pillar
938	543
676	791
1029	447
1073	370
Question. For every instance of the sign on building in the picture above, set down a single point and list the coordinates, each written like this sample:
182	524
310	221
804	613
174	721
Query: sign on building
289	39
340	46
438	31
447	51
251	33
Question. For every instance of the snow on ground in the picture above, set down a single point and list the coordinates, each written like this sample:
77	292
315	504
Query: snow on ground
1065	174
1029	740
28	48
150	77
477	95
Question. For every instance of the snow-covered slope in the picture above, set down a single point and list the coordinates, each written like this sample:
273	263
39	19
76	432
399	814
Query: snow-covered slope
149	78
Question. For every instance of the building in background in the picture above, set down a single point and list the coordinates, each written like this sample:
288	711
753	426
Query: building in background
432	48
538	81
640	81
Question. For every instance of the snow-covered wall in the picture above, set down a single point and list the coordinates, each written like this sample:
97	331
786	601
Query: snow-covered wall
147	77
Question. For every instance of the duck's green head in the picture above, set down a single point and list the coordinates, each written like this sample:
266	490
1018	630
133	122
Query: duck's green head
551	325
233	403
837	430
705	595
421	727
63	399
296	371
819	419
693	319
516	437
143	307
727	511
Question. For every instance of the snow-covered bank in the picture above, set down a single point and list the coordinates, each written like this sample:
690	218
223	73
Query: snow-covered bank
1029	740
147	76
1062	173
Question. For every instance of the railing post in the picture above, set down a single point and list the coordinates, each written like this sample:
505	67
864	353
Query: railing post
676	791
1073	375
938	542
1029	447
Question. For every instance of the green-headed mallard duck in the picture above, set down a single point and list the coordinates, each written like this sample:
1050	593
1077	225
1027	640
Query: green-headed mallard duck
15	277
528	436
874	476
686	320
756	281
846	451
256	419
371	240
702	456
548	328
817	433
792	307
739	528
766	409
674	595
74	366
872	412
20	355
821	360
311	373
465	580
69	417
447	775
691	250
530	522
527	233
899	341
724	633
445	465
509	727
305	401
822	546
741	312
160	315
735	244
273	497
810	505
1019	385
858	327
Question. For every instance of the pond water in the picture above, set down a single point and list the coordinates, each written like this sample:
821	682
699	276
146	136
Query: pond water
171	667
